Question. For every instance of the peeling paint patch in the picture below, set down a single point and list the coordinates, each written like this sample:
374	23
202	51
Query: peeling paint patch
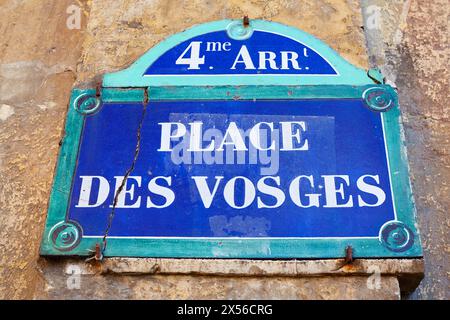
47	105
243	226
6	111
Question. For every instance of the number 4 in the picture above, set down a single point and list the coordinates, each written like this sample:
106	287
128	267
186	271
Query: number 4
194	60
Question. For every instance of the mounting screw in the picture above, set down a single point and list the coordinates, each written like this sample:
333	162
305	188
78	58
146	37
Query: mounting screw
98	89
348	255
246	21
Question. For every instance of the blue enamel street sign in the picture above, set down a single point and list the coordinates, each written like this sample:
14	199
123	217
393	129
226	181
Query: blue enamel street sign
312	183
234	141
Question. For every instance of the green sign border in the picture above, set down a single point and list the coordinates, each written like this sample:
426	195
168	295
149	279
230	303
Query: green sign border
397	238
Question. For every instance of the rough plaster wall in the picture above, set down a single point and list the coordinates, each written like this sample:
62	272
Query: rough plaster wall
412	49
119	32
38	65
425	95
38	58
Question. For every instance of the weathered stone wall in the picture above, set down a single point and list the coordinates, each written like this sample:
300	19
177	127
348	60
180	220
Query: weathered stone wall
412	49
38	66
40	60
121	31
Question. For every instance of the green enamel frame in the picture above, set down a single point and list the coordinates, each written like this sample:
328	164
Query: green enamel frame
398	238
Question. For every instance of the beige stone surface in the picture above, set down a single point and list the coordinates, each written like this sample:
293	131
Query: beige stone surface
119	32
239	267
408	272
412	48
424	78
40	59
60	284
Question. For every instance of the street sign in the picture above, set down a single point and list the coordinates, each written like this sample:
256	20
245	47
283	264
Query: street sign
234	141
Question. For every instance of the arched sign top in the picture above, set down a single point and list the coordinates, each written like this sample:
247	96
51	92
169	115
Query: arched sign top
228	53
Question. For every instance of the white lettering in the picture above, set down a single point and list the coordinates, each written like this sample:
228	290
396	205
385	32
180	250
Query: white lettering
167	136
125	191
249	192
267	56
270	190
288	135
244	57
165	192
194	61
289	56
331	191
206	195
236	138
371	189
294	192
85	192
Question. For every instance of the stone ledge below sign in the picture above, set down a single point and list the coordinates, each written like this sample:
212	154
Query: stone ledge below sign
404	274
